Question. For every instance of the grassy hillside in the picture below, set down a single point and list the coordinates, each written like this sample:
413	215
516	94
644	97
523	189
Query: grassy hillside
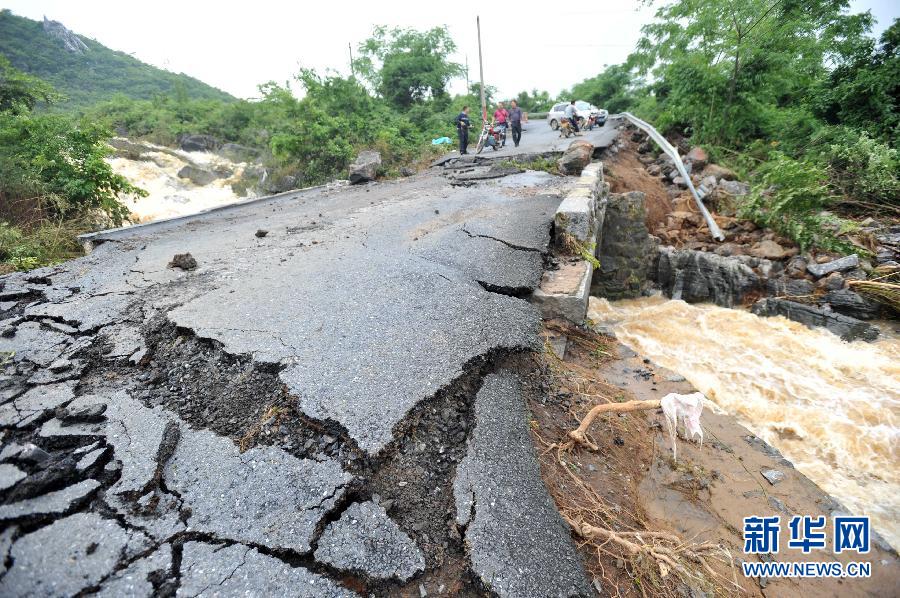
92	74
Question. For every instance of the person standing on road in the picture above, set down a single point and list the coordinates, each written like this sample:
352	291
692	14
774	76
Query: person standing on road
501	117
462	128
515	121
572	115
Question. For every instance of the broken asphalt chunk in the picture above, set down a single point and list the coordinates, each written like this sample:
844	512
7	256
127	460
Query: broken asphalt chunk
366	540
35	404
10	475
264	495
52	503
134	581
518	545
68	556
213	570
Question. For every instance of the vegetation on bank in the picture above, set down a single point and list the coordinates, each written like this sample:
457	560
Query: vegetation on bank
54	182
798	98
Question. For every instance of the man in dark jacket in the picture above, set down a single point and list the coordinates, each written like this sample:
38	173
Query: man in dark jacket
462	128
515	121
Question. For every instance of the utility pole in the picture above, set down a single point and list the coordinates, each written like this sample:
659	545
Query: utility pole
350	47
481	71
467	74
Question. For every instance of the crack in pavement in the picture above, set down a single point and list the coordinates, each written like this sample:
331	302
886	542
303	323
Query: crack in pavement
507	243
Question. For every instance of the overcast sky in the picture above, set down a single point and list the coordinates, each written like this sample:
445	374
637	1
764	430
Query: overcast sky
237	45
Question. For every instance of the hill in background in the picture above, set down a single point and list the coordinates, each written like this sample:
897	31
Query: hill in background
85	71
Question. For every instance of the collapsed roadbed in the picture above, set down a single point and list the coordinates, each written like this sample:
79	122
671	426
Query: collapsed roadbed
325	398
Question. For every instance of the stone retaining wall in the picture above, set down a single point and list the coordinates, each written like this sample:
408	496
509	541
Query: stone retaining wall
564	291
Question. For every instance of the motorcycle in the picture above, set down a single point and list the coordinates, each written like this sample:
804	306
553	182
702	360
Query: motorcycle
492	136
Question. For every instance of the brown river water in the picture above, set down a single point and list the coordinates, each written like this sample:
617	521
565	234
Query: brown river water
831	407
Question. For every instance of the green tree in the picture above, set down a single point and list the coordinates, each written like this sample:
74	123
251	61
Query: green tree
535	101
614	89
723	68
48	157
20	92
863	90
406	66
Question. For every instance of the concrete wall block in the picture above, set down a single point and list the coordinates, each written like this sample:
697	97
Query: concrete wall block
576	216
564	293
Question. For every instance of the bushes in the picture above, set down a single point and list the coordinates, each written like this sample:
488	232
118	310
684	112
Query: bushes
792	197
48	156
866	170
41	245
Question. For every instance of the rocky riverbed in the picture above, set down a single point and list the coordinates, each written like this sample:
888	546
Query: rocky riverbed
753	266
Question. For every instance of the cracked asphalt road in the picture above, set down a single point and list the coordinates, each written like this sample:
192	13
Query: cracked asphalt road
340	355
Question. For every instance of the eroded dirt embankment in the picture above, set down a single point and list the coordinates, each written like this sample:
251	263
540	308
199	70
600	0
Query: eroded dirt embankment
632	485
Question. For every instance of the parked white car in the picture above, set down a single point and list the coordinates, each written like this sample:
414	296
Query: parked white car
584	110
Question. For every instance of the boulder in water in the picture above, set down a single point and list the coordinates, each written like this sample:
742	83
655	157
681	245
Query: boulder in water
196	175
696	276
849	329
852	304
198	143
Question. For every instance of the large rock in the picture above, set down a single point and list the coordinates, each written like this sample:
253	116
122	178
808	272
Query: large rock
790	287
843	264
727	195
366	540
720	172
69	39
696	276
851	304
518	545
770	250
197	175
698	157
198	143
627	252
365	168
576	157
849	329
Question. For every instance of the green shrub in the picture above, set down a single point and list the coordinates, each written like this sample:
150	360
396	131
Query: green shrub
792	197
49	156
41	245
865	169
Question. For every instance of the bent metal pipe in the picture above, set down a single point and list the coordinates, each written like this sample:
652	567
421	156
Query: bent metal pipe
673	153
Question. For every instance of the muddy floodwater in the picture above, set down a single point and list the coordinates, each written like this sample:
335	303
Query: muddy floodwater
831	407
170	195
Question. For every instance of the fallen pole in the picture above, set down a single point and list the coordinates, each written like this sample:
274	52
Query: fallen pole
673	153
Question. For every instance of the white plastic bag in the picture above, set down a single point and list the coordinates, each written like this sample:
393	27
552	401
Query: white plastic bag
688	408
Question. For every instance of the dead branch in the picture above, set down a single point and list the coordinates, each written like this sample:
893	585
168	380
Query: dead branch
579	434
